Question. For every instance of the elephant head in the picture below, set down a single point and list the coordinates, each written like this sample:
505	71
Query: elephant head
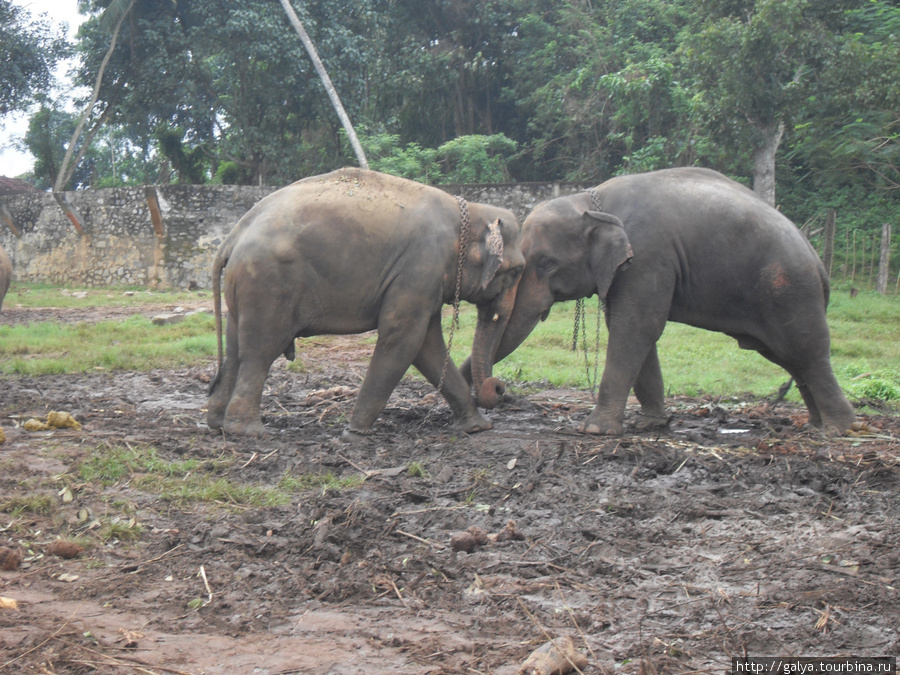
497	254
570	252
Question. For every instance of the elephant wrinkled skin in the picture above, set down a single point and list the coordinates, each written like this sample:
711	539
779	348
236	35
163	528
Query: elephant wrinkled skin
686	245
348	252
6	272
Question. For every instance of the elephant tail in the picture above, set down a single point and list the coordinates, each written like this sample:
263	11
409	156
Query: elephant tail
218	264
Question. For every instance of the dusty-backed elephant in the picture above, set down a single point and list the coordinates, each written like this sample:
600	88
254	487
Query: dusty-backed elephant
686	245
6	272
349	252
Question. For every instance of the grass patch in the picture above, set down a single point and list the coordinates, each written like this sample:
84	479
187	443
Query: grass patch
41	505
135	343
34	295
195	480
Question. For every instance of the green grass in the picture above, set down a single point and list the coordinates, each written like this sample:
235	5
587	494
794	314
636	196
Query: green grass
35	295
135	343
194	480
865	333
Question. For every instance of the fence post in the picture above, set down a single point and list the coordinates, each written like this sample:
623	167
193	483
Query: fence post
884	260
828	256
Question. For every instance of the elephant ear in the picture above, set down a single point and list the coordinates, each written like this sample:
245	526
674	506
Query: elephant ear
610	249
493	248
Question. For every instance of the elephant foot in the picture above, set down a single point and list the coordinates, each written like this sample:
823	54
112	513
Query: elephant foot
596	430
215	423
649	421
253	429
355	436
597	426
472	424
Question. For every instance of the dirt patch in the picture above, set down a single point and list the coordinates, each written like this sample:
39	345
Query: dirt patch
737	530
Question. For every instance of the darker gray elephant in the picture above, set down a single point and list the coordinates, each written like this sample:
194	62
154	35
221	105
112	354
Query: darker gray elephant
6	272
686	245
353	251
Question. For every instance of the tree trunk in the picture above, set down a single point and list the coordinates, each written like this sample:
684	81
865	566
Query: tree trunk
828	256
764	160
326	81
65	173
884	261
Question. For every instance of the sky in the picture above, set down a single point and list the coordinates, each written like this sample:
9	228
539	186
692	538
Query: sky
12	127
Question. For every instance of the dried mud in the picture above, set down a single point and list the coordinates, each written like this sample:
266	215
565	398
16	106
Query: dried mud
738	530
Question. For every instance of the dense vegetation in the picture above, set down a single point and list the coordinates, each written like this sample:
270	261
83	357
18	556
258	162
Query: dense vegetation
456	90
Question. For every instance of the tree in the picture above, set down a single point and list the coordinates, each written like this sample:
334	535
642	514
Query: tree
326	82
754	63
29	52
114	16
851	135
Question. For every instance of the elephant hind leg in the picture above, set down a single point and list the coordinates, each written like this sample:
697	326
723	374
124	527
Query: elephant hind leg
247	367
650	393
222	386
809	363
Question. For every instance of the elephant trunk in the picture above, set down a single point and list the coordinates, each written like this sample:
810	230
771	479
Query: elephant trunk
492	320
495	340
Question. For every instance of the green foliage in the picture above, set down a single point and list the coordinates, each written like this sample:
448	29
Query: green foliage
31	49
494	91
467	159
412	161
476	159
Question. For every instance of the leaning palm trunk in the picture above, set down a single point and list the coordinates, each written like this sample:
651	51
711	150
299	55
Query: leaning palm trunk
326	81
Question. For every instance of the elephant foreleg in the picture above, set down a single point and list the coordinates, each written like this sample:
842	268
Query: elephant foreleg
430	362
631	353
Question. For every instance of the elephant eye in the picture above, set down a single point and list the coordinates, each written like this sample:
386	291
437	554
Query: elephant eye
545	264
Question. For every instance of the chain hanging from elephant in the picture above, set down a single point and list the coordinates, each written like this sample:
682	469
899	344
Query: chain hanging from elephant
580	320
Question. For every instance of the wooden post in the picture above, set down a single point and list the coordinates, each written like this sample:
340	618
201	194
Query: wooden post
853	272
872	260
862	269
828	257
845	266
884	260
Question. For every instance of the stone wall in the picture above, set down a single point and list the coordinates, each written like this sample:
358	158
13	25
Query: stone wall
162	236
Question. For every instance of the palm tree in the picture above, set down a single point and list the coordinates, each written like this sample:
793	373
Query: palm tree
326	82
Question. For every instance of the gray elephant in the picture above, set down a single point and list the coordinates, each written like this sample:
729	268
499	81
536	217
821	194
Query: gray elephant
686	245
5	275
349	252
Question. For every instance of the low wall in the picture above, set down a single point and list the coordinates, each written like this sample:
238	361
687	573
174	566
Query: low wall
162	236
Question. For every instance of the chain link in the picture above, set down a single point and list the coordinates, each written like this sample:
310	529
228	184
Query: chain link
465	227
581	322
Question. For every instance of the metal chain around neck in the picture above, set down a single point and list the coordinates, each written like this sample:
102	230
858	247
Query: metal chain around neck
465	228
580	320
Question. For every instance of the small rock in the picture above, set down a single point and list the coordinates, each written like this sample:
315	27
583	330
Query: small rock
167	319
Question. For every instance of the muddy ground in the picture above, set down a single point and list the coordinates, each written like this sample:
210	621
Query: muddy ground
736	531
